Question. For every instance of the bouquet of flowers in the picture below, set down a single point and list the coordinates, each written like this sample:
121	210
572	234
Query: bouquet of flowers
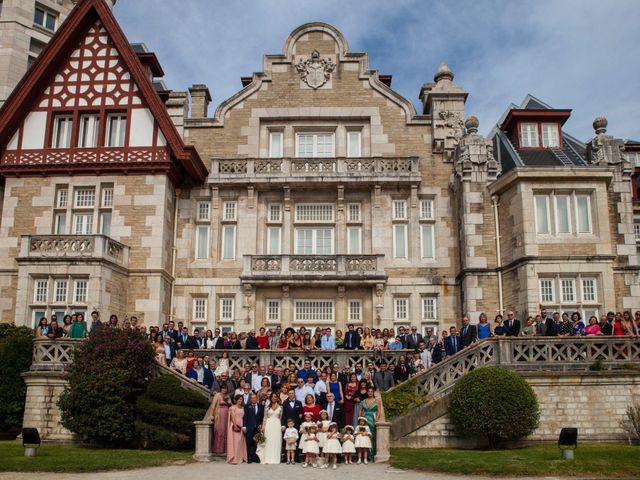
259	438
362	429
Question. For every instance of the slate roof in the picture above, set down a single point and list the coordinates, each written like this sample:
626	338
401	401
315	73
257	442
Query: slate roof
510	156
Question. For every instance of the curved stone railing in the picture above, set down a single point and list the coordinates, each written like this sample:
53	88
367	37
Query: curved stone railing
76	247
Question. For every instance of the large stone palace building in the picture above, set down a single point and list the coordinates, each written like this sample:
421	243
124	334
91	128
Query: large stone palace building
314	196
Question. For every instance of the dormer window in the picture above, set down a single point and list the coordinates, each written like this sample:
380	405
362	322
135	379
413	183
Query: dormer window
529	135
550	137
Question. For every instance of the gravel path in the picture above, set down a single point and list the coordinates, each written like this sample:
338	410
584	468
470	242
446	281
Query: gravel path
211	471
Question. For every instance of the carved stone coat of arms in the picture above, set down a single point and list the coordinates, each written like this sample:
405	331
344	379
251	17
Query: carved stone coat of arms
315	71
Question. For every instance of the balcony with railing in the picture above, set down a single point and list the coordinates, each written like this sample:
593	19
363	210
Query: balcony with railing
333	169
56	248
317	269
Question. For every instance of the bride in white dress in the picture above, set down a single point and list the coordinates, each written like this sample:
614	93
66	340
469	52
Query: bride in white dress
273	431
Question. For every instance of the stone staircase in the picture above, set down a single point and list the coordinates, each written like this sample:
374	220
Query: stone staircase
521	354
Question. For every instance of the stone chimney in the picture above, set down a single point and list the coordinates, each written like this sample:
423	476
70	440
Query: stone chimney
200	99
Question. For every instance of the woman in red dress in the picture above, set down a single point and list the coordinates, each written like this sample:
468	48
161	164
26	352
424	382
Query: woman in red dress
311	407
263	339
350	391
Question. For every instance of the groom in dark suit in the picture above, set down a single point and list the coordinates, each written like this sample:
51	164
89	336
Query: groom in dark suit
291	409
252	424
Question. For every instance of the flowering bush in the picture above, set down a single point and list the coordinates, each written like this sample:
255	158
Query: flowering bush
15	357
109	372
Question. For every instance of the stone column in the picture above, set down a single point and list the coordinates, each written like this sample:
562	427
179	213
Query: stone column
383	446
41	405
204	441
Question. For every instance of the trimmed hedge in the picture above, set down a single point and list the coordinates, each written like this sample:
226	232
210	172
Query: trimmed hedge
401	399
109	372
493	404
16	352
166	413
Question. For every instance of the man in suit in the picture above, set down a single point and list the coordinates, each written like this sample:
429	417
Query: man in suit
343	377
183	339
435	349
412	341
351	339
552	325
512	325
252	341
468	333
208	366
252	424
291	409
334	410
252	378
383	378
218	343
169	349
452	344
196	341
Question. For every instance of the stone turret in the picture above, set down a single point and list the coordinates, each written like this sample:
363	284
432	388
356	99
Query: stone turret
604	149
444	101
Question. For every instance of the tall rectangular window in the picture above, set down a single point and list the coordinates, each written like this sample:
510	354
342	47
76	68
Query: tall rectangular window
542	214
400	240
62	130
203	211
428	308
354	240
275	213
583	211
105	223
427	240
589	290
355	311
273	311
80	292
353	213
550	137
546	291
41	291
354	144
274	240
89	128
529	135
60	223
116	129
563	222
45	18
401	308
107	197
200	309
226	309
636	231
228	242
229	211
62	198
275	144
202	241
399	209
315	145
60	291
568	290
426	210
83	223
314	241
85	197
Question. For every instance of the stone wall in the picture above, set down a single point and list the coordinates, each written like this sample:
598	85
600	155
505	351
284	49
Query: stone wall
594	402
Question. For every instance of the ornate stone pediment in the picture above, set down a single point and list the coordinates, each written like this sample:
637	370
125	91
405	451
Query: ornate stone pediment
315	71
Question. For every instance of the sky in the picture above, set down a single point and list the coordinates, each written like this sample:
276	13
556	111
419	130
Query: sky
576	54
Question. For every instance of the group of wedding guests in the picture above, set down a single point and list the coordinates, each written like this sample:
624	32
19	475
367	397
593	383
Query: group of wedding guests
296	421
74	325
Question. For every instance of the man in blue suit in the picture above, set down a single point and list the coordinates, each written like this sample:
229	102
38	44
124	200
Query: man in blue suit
453	343
351	339
252	423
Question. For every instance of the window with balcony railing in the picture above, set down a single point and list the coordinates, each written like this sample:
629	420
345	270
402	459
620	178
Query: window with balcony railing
567	293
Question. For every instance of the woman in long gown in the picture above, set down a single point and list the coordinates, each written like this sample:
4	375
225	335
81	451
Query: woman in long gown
273	431
236	443
370	410
220	418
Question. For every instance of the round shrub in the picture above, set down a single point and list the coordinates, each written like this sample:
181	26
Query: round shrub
493	404
16	352
109	372
166	413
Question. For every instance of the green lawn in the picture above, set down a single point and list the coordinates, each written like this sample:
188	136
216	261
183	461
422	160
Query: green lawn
72	458
595	460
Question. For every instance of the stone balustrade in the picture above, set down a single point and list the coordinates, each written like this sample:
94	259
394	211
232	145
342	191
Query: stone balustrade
53	355
275	269
287	170
76	247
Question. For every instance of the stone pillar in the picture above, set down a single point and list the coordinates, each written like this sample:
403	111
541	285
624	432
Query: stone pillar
178	108
41	405
200	99
204	441
475	167
383	444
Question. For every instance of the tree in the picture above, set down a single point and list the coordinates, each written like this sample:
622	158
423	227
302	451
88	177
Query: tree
494	404
109	372
16	352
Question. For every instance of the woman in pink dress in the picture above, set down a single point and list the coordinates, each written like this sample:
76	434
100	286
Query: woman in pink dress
236	443
220	418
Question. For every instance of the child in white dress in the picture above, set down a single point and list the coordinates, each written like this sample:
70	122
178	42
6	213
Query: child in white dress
304	429
311	449
323	428
332	446
363	440
290	440
348	447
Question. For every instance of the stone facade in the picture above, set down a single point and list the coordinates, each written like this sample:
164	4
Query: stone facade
328	200
593	402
